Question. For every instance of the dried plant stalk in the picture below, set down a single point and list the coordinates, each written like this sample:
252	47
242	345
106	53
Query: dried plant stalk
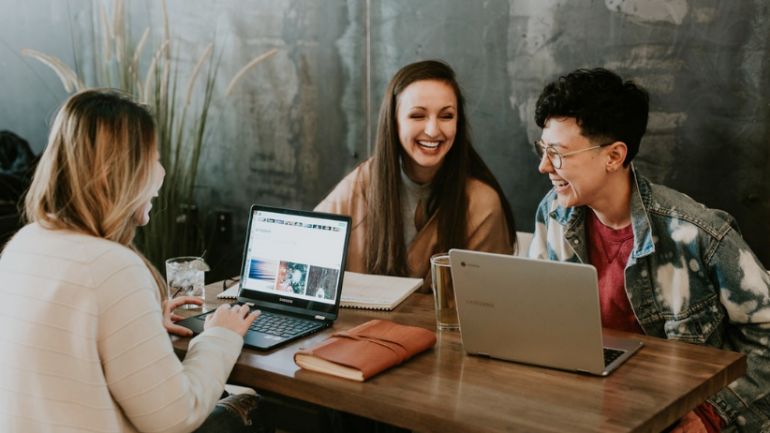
245	69
206	54
67	76
106	33
152	68
134	70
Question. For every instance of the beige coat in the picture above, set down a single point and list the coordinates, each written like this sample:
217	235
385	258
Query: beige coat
486	229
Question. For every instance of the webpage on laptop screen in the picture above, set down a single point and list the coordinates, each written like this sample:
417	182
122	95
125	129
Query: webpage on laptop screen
294	255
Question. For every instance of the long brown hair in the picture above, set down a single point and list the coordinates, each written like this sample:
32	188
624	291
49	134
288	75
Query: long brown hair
386	252
96	172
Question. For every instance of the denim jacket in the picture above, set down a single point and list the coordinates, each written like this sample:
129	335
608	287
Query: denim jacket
690	277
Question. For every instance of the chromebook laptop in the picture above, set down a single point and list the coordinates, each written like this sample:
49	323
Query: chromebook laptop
292	270
535	312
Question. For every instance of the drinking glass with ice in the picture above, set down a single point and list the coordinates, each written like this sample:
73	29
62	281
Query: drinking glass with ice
185	277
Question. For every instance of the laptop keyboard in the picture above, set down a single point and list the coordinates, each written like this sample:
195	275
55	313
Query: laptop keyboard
277	324
611	354
280	325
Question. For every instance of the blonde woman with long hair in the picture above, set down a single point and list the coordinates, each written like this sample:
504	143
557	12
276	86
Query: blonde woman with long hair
83	345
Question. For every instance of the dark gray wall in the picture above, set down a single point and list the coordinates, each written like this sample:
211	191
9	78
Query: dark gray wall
301	120
30	93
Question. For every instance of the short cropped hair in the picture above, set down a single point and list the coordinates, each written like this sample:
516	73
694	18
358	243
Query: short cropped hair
603	105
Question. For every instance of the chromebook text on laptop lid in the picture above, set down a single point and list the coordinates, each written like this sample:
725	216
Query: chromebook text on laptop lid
535	312
292	270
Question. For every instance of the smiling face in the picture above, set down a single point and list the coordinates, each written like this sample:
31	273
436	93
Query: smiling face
427	124
582	178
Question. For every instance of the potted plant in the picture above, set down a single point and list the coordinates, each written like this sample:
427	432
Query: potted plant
181	113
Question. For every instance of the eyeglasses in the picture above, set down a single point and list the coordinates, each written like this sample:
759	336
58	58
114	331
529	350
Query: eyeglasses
555	156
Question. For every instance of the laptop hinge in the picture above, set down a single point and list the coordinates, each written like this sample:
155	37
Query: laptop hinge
320	318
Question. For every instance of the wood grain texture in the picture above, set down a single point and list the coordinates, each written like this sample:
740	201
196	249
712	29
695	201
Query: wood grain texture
445	390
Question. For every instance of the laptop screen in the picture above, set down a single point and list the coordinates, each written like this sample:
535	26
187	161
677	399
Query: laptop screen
294	260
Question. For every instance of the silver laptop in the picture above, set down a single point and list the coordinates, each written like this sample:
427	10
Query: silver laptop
534	311
292	270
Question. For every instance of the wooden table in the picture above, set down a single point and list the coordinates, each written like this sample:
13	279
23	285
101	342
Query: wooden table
445	390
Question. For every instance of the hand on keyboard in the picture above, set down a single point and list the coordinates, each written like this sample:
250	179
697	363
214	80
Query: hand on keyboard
235	318
170	318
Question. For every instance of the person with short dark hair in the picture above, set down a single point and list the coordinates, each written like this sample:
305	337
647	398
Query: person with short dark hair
425	189
668	266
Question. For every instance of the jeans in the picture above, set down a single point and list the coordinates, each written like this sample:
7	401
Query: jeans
237	414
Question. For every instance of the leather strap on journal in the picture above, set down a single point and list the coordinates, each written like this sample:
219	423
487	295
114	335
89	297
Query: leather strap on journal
399	350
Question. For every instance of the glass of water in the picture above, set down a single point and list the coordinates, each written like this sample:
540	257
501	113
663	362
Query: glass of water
443	292
185	277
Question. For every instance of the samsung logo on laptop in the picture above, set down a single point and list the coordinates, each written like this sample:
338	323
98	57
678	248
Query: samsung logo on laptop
286	301
480	303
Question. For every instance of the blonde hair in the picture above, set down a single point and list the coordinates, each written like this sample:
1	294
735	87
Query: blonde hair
97	170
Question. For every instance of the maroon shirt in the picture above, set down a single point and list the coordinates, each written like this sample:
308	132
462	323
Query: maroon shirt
608	251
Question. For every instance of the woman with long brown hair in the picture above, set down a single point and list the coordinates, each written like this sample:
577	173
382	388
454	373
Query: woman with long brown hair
82	339
425	190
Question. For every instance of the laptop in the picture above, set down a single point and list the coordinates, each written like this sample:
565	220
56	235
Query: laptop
292	270
537	312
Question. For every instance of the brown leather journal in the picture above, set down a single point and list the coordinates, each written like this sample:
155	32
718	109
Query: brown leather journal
368	349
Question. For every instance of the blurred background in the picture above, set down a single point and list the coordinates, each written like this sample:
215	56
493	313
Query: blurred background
297	122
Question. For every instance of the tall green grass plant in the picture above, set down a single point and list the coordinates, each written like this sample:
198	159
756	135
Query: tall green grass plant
181	113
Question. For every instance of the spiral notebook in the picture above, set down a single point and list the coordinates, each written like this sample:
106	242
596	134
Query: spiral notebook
376	292
365	291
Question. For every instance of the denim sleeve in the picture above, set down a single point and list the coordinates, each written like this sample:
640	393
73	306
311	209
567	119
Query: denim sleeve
538	248
744	288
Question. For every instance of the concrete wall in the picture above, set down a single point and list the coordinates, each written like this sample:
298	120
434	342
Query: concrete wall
298	122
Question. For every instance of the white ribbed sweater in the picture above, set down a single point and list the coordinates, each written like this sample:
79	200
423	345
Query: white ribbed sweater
83	347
